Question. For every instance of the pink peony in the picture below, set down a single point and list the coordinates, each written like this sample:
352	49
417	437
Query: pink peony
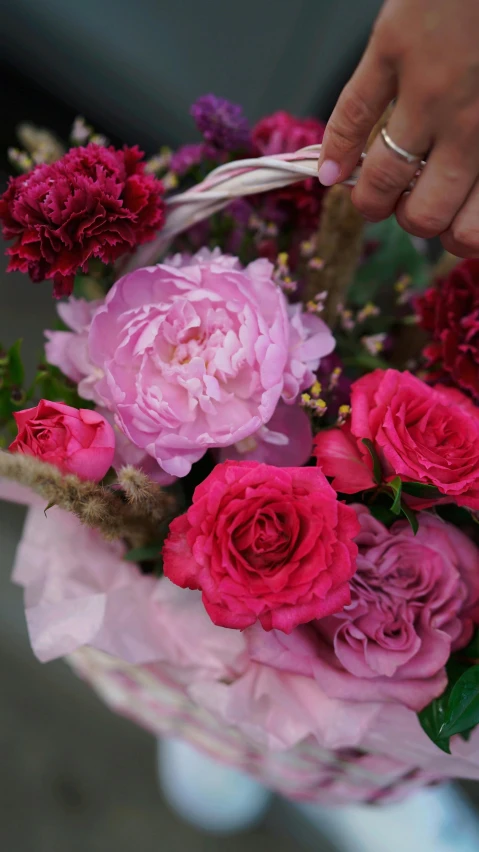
286	440
414	599
69	351
196	353
264	544
94	202
422	434
75	440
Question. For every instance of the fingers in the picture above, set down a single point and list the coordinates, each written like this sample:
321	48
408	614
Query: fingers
384	175
443	187
359	107
462	236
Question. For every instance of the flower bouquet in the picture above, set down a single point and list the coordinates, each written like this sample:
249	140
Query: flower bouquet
251	453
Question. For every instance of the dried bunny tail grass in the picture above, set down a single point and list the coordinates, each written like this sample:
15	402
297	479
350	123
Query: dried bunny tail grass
339	245
92	504
144	495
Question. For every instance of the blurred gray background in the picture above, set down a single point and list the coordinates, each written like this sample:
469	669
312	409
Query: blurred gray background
74	777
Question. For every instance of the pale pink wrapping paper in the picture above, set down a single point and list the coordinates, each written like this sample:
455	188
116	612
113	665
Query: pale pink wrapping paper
153	654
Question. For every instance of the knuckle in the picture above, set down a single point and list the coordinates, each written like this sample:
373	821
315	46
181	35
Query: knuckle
351	122
465	235
384	181
424	223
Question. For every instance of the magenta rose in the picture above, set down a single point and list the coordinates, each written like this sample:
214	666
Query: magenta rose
414	600
75	440
283	133
197	352
420	433
264	544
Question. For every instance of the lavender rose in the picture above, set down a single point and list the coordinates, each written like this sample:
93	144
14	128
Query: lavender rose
413	602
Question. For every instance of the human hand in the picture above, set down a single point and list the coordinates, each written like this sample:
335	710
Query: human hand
424	54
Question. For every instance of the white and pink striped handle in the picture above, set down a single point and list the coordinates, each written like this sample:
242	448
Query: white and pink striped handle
223	185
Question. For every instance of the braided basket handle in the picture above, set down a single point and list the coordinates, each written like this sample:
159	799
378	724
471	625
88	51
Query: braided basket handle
224	184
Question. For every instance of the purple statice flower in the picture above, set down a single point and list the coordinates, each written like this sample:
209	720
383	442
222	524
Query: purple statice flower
188	156
221	122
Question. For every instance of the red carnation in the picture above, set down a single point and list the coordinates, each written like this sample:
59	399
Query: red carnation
283	133
451	313
94	202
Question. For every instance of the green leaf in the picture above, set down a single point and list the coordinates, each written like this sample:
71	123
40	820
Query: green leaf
420	489
15	364
150	553
432	717
396	255
377	472
6	406
382	514
396	487
411	516
472	650
463	706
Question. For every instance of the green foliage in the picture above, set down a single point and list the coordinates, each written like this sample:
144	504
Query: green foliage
419	489
50	383
377	472
396	487
432	718
396	255
462	711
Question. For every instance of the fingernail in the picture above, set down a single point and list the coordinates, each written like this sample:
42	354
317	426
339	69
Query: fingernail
329	172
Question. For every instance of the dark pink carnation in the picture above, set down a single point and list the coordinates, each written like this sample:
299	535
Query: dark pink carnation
450	311
93	202
264	544
414	600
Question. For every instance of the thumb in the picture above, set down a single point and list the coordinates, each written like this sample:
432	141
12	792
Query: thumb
360	106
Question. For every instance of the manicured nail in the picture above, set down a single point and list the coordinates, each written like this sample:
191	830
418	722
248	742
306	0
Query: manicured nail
329	172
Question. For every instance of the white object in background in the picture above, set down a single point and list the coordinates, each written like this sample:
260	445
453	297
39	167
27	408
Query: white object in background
435	819
207	794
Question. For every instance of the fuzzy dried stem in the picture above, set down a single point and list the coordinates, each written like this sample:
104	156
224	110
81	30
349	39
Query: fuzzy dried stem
92	504
339	244
144	496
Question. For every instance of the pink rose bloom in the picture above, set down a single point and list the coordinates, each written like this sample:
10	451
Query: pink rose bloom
68	350
283	133
75	440
197	353
420	433
264	544
413	601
